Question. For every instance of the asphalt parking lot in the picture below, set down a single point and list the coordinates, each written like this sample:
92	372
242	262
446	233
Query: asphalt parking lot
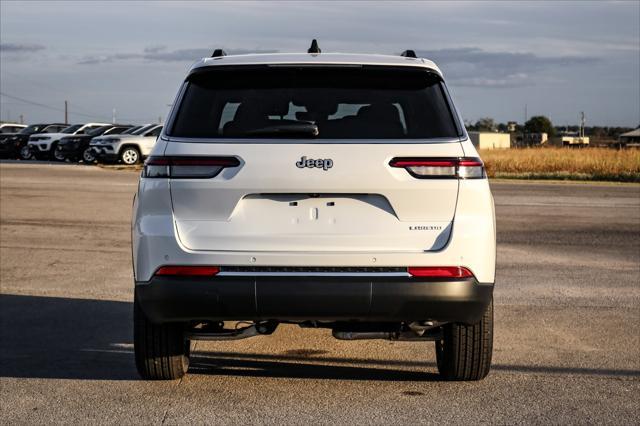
567	346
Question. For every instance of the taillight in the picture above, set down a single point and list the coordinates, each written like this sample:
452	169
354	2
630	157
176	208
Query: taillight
187	167
439	272
188	271
441	168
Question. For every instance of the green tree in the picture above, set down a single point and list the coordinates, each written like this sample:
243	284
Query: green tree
486	124
540	124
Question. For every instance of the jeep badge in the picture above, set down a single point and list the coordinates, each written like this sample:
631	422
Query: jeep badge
325	164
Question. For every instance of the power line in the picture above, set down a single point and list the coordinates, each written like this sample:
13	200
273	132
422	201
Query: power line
88	113
31	102
96	117
26	101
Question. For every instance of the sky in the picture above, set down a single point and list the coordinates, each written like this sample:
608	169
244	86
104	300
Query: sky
557	58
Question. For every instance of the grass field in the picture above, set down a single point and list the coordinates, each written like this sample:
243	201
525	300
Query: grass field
595	164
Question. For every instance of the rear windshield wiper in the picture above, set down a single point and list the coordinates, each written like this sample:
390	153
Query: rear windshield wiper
301	128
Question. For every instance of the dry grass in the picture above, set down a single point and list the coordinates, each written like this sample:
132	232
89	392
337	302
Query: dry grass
600	164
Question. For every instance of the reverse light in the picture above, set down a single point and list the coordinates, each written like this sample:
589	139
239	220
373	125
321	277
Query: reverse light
188	271
442	168
439	272
187	167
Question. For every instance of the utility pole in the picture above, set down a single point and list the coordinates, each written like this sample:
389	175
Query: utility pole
113	116
66	112
525	139
21	119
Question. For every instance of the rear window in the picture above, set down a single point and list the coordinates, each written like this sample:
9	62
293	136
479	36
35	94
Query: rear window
319	103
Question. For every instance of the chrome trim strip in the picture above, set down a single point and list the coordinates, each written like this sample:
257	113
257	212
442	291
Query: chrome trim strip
313	274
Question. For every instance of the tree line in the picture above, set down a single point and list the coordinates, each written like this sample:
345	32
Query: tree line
542	124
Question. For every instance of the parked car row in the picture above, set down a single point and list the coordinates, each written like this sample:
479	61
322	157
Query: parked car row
90	142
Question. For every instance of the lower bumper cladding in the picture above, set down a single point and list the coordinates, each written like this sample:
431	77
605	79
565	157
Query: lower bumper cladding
306	295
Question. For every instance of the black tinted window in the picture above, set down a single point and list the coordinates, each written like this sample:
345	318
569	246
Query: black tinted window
34	128
131	130
344	103
96	131
71	129
143	129
116	130
155	132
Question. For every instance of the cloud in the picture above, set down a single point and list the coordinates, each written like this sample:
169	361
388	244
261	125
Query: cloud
162	54
20	47
472	66
154	49
465	66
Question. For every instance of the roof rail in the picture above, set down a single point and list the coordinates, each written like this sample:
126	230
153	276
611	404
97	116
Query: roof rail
409	53
218	53
314	47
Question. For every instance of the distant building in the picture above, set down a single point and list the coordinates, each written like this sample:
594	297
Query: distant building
571	139
574	140
631	138
490	140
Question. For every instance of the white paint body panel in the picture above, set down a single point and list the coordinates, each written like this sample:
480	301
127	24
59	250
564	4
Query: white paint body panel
226	212
235	218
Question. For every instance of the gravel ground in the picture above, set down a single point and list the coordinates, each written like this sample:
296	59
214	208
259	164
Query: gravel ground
567	346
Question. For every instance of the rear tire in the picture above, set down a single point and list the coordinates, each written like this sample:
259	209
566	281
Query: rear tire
130	156
88	157
57	154
25	153
464	353
161	350
51	155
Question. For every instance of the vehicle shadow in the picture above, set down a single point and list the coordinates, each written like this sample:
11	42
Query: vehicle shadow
41	162
260	365
65	338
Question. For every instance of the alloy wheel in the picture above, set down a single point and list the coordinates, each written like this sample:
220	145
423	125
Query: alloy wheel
130	156
25	153
87	156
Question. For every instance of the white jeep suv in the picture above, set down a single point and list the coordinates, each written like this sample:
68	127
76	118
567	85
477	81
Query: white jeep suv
128	148
338	191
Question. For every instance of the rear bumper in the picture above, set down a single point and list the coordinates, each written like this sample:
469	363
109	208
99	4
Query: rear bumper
300	298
